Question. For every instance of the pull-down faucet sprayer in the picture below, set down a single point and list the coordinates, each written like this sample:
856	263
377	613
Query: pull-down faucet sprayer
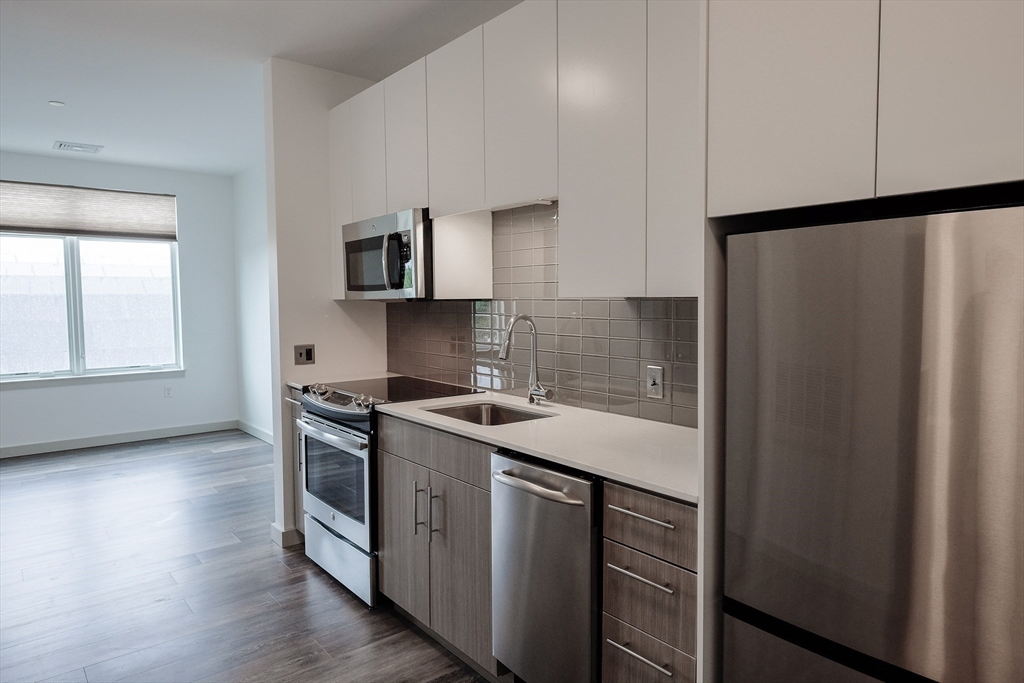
537	390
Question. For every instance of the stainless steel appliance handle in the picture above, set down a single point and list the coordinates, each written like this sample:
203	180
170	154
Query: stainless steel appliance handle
641	658
640	578
292	400
626	511
350	445
535	489
384	260
300	444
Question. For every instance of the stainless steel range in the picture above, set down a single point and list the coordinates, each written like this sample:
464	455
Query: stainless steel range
338	465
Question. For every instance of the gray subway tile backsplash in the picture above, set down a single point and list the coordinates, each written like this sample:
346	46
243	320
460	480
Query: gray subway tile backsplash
593	353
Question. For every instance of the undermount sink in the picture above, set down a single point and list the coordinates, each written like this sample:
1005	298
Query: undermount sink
488	414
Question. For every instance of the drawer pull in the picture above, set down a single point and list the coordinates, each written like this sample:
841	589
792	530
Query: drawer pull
641	579
626	511
641	658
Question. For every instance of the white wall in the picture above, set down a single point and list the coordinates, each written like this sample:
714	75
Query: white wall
252	285
204	396
350	335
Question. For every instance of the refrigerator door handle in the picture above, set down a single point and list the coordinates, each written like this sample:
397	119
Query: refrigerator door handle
641	658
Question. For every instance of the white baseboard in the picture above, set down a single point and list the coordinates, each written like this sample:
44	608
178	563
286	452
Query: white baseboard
110	439
257	432
285	537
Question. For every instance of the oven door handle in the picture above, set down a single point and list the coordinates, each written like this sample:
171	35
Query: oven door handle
350	445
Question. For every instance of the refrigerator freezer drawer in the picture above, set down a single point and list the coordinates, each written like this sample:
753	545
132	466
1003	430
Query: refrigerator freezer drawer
755	655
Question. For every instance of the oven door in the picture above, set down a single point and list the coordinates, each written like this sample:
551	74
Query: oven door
385	257
336	478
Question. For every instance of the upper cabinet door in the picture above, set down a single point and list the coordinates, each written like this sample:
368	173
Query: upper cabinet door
339	142
792	91
950	94
675	147
602	148
405	121
521	104
369	175
455	125
339	146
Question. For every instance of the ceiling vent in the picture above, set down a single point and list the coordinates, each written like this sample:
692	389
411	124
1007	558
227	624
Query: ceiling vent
77	147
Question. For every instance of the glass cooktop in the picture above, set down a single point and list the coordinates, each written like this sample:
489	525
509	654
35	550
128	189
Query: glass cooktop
401	388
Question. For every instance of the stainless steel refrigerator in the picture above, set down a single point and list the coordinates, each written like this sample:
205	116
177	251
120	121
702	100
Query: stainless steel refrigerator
874	496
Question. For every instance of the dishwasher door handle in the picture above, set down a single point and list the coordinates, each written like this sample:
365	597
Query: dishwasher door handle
529	487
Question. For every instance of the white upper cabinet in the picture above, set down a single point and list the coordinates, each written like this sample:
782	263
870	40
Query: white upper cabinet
339	134
675	147
521	104
455	125
369	175
405	119
950	94
792	91
602	148
339	142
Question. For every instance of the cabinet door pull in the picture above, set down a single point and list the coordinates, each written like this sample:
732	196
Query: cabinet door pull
626	511
646	661
430	512
416	523
641	579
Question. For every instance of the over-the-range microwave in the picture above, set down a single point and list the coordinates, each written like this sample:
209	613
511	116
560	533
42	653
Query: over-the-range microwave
389	257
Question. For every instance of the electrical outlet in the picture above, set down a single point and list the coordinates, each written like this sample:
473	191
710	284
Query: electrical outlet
167	392
655	381
304	354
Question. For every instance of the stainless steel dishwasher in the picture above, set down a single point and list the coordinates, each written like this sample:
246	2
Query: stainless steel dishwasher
544	572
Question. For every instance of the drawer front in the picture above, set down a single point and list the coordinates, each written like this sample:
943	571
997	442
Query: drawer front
462	459
655	525
404	439
632	656
654	596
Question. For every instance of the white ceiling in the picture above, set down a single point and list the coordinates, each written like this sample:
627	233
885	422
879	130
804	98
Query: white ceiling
178	83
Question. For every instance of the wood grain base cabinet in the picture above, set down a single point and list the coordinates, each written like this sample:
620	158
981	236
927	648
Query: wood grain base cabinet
434	547
403	557
628	655
649	627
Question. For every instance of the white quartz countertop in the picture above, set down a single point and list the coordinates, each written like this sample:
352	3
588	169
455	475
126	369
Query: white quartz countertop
658	457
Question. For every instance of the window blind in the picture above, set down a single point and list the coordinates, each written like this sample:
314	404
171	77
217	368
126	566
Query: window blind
66	210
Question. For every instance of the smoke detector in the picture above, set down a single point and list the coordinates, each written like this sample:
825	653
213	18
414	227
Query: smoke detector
77	147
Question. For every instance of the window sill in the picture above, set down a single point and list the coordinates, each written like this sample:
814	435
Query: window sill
92	378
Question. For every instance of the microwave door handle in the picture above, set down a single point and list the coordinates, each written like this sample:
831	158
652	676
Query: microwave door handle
384	260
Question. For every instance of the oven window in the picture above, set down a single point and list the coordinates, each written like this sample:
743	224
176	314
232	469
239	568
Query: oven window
337	478
364	269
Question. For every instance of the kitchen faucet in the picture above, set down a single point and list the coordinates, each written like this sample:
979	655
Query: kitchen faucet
537	390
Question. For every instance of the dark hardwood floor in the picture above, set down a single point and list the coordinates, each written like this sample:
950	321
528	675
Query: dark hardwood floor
153	562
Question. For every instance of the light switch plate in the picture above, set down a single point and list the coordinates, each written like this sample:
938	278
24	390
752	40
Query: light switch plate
304	354
655	381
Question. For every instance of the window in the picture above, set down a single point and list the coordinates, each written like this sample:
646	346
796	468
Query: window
95	302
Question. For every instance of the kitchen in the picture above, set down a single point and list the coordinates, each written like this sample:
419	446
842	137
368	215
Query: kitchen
617	253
